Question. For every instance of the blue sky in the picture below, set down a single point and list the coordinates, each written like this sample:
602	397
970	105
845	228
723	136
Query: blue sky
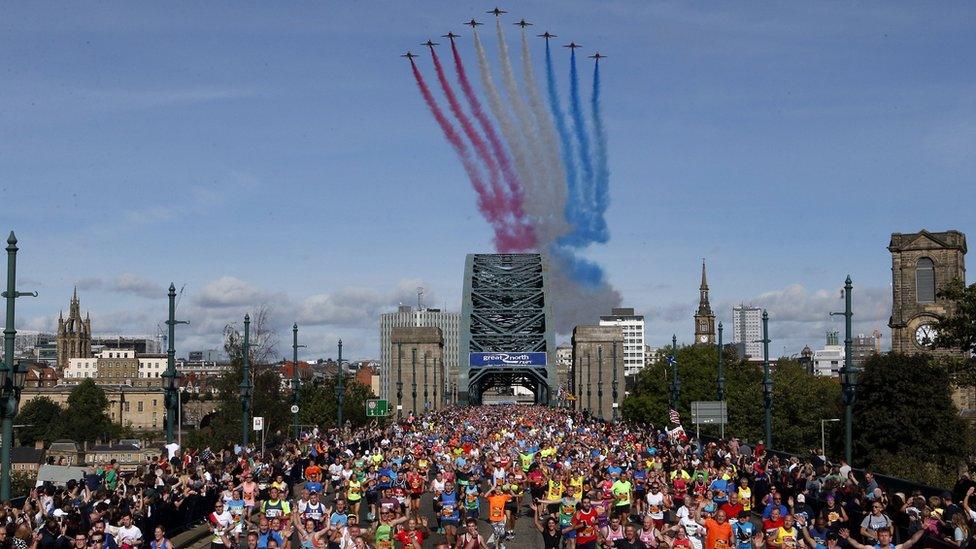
281	154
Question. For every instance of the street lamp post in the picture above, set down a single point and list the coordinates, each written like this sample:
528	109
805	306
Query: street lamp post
599	380
413	379
849	372
676	378
436	403
589	385
767	382
823	434
721	371
13	374
340	390
399	381
246	388
295	381
614	383
171	377
426	394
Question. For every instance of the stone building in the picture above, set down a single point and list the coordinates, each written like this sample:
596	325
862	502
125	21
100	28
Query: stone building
598	370
141	408
74	334
416	369
704	317
922	264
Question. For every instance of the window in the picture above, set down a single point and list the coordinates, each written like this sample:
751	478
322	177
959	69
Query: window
139	405
925	280
127	406
154	404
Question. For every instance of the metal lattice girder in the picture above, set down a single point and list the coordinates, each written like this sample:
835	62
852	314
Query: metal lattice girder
505	309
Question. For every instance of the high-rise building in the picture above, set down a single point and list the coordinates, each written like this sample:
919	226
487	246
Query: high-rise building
864	346
747	331
407	316
829	360
74	334
632	326
704	318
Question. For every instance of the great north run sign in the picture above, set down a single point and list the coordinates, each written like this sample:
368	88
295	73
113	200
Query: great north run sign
479	360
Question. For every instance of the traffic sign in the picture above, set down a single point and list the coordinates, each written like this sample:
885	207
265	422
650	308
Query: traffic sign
258	423
294	408
377	407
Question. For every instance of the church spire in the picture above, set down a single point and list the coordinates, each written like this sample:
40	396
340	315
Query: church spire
704	318
704	307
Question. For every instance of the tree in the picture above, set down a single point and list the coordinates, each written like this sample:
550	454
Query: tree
957	330
800	399
86	418
42	419
318	404
905	423
267	400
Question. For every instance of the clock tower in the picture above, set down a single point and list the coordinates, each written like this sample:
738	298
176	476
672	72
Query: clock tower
921	265
704	318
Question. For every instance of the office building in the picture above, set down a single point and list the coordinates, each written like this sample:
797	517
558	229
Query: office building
407	317
829	360
747	331
632	327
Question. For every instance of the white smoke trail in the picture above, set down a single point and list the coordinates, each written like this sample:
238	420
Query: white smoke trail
549	143
512	136
536	188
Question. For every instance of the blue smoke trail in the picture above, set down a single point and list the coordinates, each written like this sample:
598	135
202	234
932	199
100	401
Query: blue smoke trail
571	211
585	234
602	182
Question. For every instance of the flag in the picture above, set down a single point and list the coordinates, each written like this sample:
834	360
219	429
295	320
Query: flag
674	417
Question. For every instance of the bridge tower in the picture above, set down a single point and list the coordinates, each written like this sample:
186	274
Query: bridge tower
506	330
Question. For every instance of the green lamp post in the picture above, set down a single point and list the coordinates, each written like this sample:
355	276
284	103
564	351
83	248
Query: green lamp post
849	372
246	387
171	376
13	375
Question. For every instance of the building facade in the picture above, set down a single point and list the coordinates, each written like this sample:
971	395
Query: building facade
922	264
864	347
747	331
138	407
632	326
407	316
704	317
417	372
598	370
117	367
74	334
829	360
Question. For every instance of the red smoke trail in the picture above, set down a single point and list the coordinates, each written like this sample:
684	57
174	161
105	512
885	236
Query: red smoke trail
506	240
511	179
497	196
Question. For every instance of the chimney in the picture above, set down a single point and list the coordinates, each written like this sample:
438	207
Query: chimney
39	444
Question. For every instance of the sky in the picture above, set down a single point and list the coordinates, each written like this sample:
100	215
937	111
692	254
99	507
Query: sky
280	155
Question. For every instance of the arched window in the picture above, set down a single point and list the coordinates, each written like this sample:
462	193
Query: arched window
925	280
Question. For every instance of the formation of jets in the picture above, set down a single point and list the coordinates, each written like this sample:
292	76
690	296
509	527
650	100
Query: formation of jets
497	13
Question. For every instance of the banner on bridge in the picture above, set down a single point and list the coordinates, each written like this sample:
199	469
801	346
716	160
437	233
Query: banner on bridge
488	360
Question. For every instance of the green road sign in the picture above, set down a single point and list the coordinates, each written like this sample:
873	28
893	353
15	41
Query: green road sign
377	407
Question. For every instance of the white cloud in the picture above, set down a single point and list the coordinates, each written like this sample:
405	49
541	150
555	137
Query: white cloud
229	291
128	283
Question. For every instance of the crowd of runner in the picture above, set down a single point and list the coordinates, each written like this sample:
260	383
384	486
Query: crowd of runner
464	478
